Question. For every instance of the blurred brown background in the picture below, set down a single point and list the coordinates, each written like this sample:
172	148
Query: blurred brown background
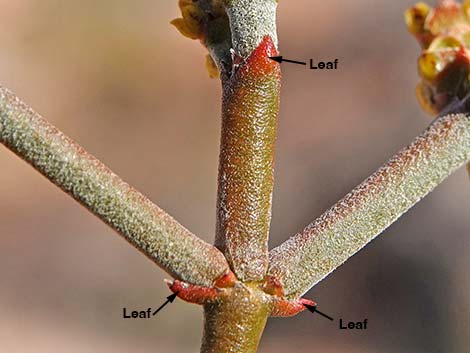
116	77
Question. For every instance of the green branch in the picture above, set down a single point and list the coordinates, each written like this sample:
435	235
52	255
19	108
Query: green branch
87	180
308	257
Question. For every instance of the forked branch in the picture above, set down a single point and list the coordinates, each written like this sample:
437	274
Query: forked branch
241	36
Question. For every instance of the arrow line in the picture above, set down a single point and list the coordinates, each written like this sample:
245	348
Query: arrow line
324	315
169	299
313	309
281	59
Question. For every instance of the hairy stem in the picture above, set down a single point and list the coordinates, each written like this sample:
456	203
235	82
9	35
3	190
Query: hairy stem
250	22
87	180
308	257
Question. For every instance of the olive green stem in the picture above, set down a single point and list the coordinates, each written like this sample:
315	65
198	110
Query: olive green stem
235	324
246	178
308	257
87	180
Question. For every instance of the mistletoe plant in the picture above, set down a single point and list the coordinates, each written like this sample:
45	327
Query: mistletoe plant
238	281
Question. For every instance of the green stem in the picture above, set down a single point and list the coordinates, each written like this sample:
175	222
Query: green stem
308	257
235	324
249	120
87	180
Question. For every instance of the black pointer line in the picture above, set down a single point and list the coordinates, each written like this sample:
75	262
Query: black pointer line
313	309
169	299
281	59
324	315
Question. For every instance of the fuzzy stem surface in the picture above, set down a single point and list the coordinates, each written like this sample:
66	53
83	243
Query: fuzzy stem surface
250	22
308	257
87	180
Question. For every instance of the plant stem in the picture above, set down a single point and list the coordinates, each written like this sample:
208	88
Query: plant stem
308	257
235	324
87	180
249	120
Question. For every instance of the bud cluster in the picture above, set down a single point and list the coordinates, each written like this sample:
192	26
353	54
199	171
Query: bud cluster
444	64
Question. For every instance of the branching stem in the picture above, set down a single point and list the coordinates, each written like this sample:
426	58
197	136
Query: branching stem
240	36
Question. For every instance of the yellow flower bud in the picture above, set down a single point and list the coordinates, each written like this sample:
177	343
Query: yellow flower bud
446	42
415	17
466	9
183	28
429	65
192	23
194	17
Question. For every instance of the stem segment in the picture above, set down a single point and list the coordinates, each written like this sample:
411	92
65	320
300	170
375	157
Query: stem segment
249	113
235	324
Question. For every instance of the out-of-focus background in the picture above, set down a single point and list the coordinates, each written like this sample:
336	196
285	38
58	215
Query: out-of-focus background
116	77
